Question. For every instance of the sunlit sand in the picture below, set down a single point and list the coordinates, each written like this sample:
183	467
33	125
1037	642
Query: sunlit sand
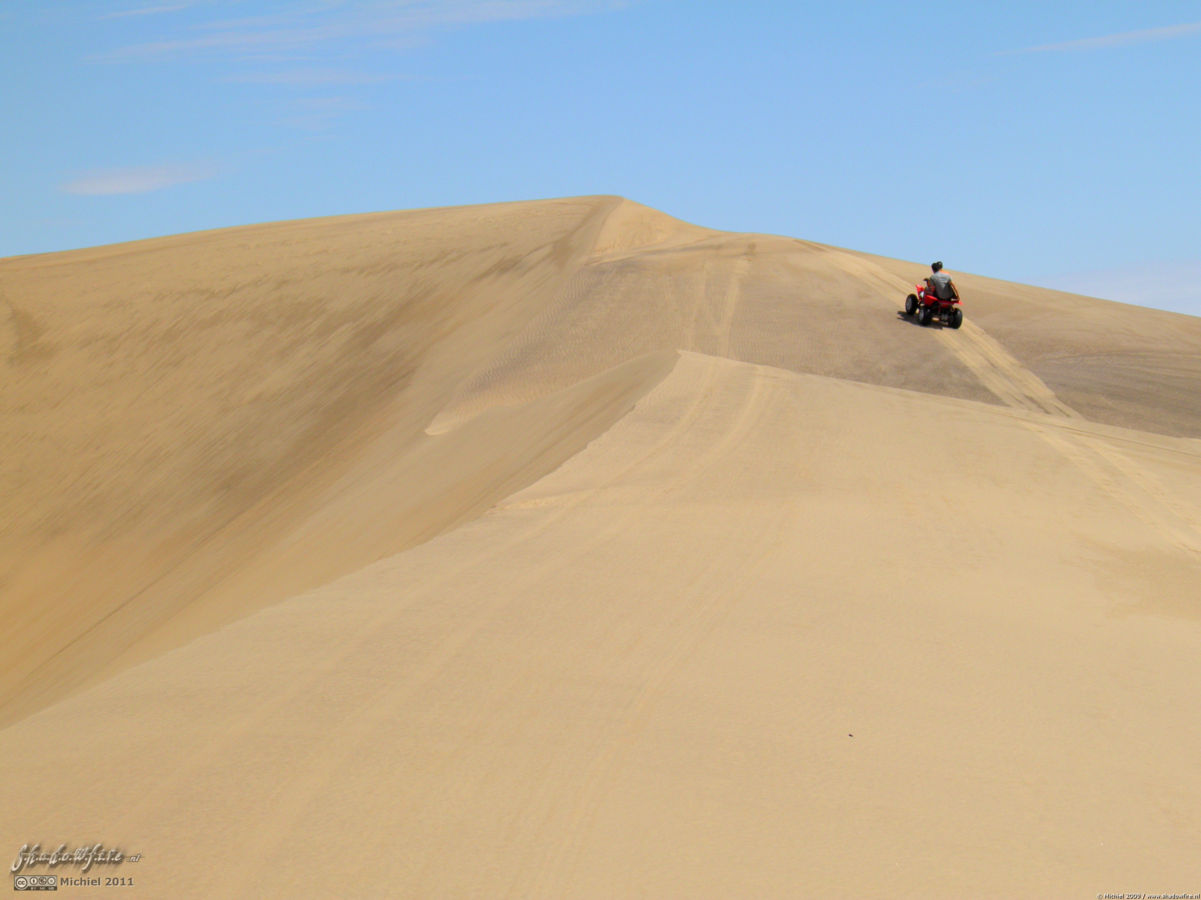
564	549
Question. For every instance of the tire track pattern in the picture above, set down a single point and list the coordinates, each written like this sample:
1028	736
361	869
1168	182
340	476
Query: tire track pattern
1111	470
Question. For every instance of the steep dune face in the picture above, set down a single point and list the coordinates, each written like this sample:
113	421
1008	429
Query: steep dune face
178	409
580	551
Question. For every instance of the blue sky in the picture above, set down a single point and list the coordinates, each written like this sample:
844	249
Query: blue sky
1052	143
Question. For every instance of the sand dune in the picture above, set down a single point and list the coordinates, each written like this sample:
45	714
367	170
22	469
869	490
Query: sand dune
566	549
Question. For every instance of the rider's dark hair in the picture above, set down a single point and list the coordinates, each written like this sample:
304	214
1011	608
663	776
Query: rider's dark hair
936	266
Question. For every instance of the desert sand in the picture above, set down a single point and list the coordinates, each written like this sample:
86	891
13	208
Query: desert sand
565	549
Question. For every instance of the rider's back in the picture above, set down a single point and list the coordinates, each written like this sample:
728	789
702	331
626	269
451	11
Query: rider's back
941	282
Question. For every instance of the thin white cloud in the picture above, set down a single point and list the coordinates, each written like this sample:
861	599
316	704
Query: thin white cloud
144	11
306	29
1123	39
139	180
312	77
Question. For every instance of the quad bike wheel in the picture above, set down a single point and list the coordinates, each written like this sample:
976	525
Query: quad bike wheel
923	315
911	304
956	318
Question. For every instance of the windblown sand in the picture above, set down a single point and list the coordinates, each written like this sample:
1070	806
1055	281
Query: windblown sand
562	549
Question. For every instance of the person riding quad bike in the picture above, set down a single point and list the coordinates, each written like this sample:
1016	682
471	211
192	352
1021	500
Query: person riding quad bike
937	299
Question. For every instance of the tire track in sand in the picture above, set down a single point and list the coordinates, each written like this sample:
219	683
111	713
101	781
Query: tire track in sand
1130	484
1111	470
1001	373
700	604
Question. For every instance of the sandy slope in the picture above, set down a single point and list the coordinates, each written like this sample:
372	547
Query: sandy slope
594	554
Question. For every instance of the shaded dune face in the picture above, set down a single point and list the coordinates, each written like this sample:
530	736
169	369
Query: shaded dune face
186	419
174	408
581	551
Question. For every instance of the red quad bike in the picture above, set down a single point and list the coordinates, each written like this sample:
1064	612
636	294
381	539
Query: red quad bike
928	307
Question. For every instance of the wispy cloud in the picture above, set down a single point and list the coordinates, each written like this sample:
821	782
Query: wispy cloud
144	11
294	46
138	180
378	23
1123	39
312	77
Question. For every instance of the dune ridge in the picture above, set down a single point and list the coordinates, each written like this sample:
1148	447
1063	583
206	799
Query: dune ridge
586	552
